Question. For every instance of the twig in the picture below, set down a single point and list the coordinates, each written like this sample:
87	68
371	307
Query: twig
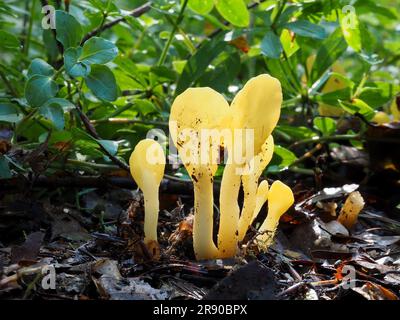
92	131
134	13
172	34
291	289
30	26
25	182
8	84
130	121
307	155
326	139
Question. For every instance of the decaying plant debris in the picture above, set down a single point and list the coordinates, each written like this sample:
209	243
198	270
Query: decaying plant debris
98	252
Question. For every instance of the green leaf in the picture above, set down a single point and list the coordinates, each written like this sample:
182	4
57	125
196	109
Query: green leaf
330	50
234	11
109	145
332	98
201	6
9	113
104	5
39	89
5	172
351	29
326	125
296	132
306	29
63	103
73	66
68	29
102	82
8	40
144	106
87	141
224	73
40	67
54	113
358	106
199	62
371	58
163	73
271	46
376	94
276	68
98	50
368	6
289	43
281	159
50	43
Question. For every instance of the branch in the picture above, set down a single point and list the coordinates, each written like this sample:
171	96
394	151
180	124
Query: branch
134	13
24	183
92	131
130	121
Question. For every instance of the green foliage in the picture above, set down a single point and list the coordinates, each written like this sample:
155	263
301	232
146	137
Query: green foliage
116	74
39	89
102	82
68	29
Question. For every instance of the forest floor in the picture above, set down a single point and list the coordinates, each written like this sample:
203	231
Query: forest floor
93	242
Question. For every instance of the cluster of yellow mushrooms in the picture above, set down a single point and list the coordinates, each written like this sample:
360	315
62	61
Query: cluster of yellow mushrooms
256	107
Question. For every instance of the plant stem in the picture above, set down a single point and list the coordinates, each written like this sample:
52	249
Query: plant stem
172	34
308	172
134	13
327	139
130	121
8	84
58	72
28	37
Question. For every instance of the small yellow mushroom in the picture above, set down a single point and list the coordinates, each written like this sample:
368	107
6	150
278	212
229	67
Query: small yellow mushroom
147	165
334	83
256	107
250	184
351	209
395	108
193	112
280	199
381	118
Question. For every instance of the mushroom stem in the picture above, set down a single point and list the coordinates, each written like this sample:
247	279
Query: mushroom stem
147	166
250	184
229	211
204	247
261	198
151	208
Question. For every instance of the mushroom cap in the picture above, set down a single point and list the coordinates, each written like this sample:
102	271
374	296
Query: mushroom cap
280	198
147	160
257	106
263	158
262	190
193	110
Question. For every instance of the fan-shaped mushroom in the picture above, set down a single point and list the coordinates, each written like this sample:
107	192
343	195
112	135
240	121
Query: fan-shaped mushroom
193	113
256	107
